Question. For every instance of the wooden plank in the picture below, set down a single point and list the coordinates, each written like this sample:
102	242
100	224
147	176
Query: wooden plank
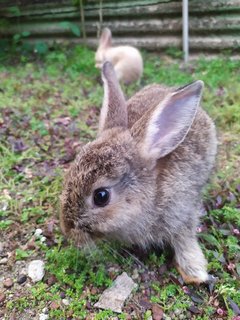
153	43
129	11
119	27
209	44
215	43
129	8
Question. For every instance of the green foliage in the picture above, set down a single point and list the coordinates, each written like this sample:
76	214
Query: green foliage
41	47
75	61
71	266
4	224
227	214
4	23
71	26
18	36
28	213
166	297
14	10
22	254
105	314
174	53
38	126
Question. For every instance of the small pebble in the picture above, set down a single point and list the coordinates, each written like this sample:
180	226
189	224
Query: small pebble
43	239
43	316
22	278
3	261
31	245
54	305
94	291
3	205
51	280
8	283
36	270
2	297
135	274
145	277
178	311
66	302
157	312
1	247
70	314
45	310
38	232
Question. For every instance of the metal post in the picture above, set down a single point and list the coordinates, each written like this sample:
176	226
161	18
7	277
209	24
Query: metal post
185	30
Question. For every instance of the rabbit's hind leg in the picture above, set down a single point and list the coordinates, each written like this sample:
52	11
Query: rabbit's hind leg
190	260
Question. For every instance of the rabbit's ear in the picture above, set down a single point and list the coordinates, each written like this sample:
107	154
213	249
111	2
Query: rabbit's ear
106	38
164	127
114	108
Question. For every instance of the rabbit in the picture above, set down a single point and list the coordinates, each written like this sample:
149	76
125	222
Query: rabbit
140	181
127	60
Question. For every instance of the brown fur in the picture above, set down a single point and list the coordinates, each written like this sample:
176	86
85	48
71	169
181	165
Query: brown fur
155	200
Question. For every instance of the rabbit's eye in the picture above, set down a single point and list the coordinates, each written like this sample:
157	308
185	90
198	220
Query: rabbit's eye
101	197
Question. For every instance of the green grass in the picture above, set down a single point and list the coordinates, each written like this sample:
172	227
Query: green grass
52	103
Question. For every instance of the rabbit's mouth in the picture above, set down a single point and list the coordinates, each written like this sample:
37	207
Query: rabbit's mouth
84	235
80	238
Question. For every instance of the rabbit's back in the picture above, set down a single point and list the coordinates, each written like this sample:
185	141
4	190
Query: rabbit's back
127	61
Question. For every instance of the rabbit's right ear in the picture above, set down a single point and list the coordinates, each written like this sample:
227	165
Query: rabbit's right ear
114	108
165	126
106	38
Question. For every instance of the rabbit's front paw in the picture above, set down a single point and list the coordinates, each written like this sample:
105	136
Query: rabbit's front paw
190	261
200	277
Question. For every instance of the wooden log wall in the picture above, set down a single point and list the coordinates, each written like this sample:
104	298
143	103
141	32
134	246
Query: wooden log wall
150	24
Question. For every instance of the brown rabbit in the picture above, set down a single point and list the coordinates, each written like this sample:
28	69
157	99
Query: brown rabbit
140	181
127	60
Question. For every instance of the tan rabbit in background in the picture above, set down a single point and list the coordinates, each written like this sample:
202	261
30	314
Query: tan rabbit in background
127	60
140	181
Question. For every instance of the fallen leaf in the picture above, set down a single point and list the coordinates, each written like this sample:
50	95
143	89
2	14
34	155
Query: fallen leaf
145	304
234	306
194	309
